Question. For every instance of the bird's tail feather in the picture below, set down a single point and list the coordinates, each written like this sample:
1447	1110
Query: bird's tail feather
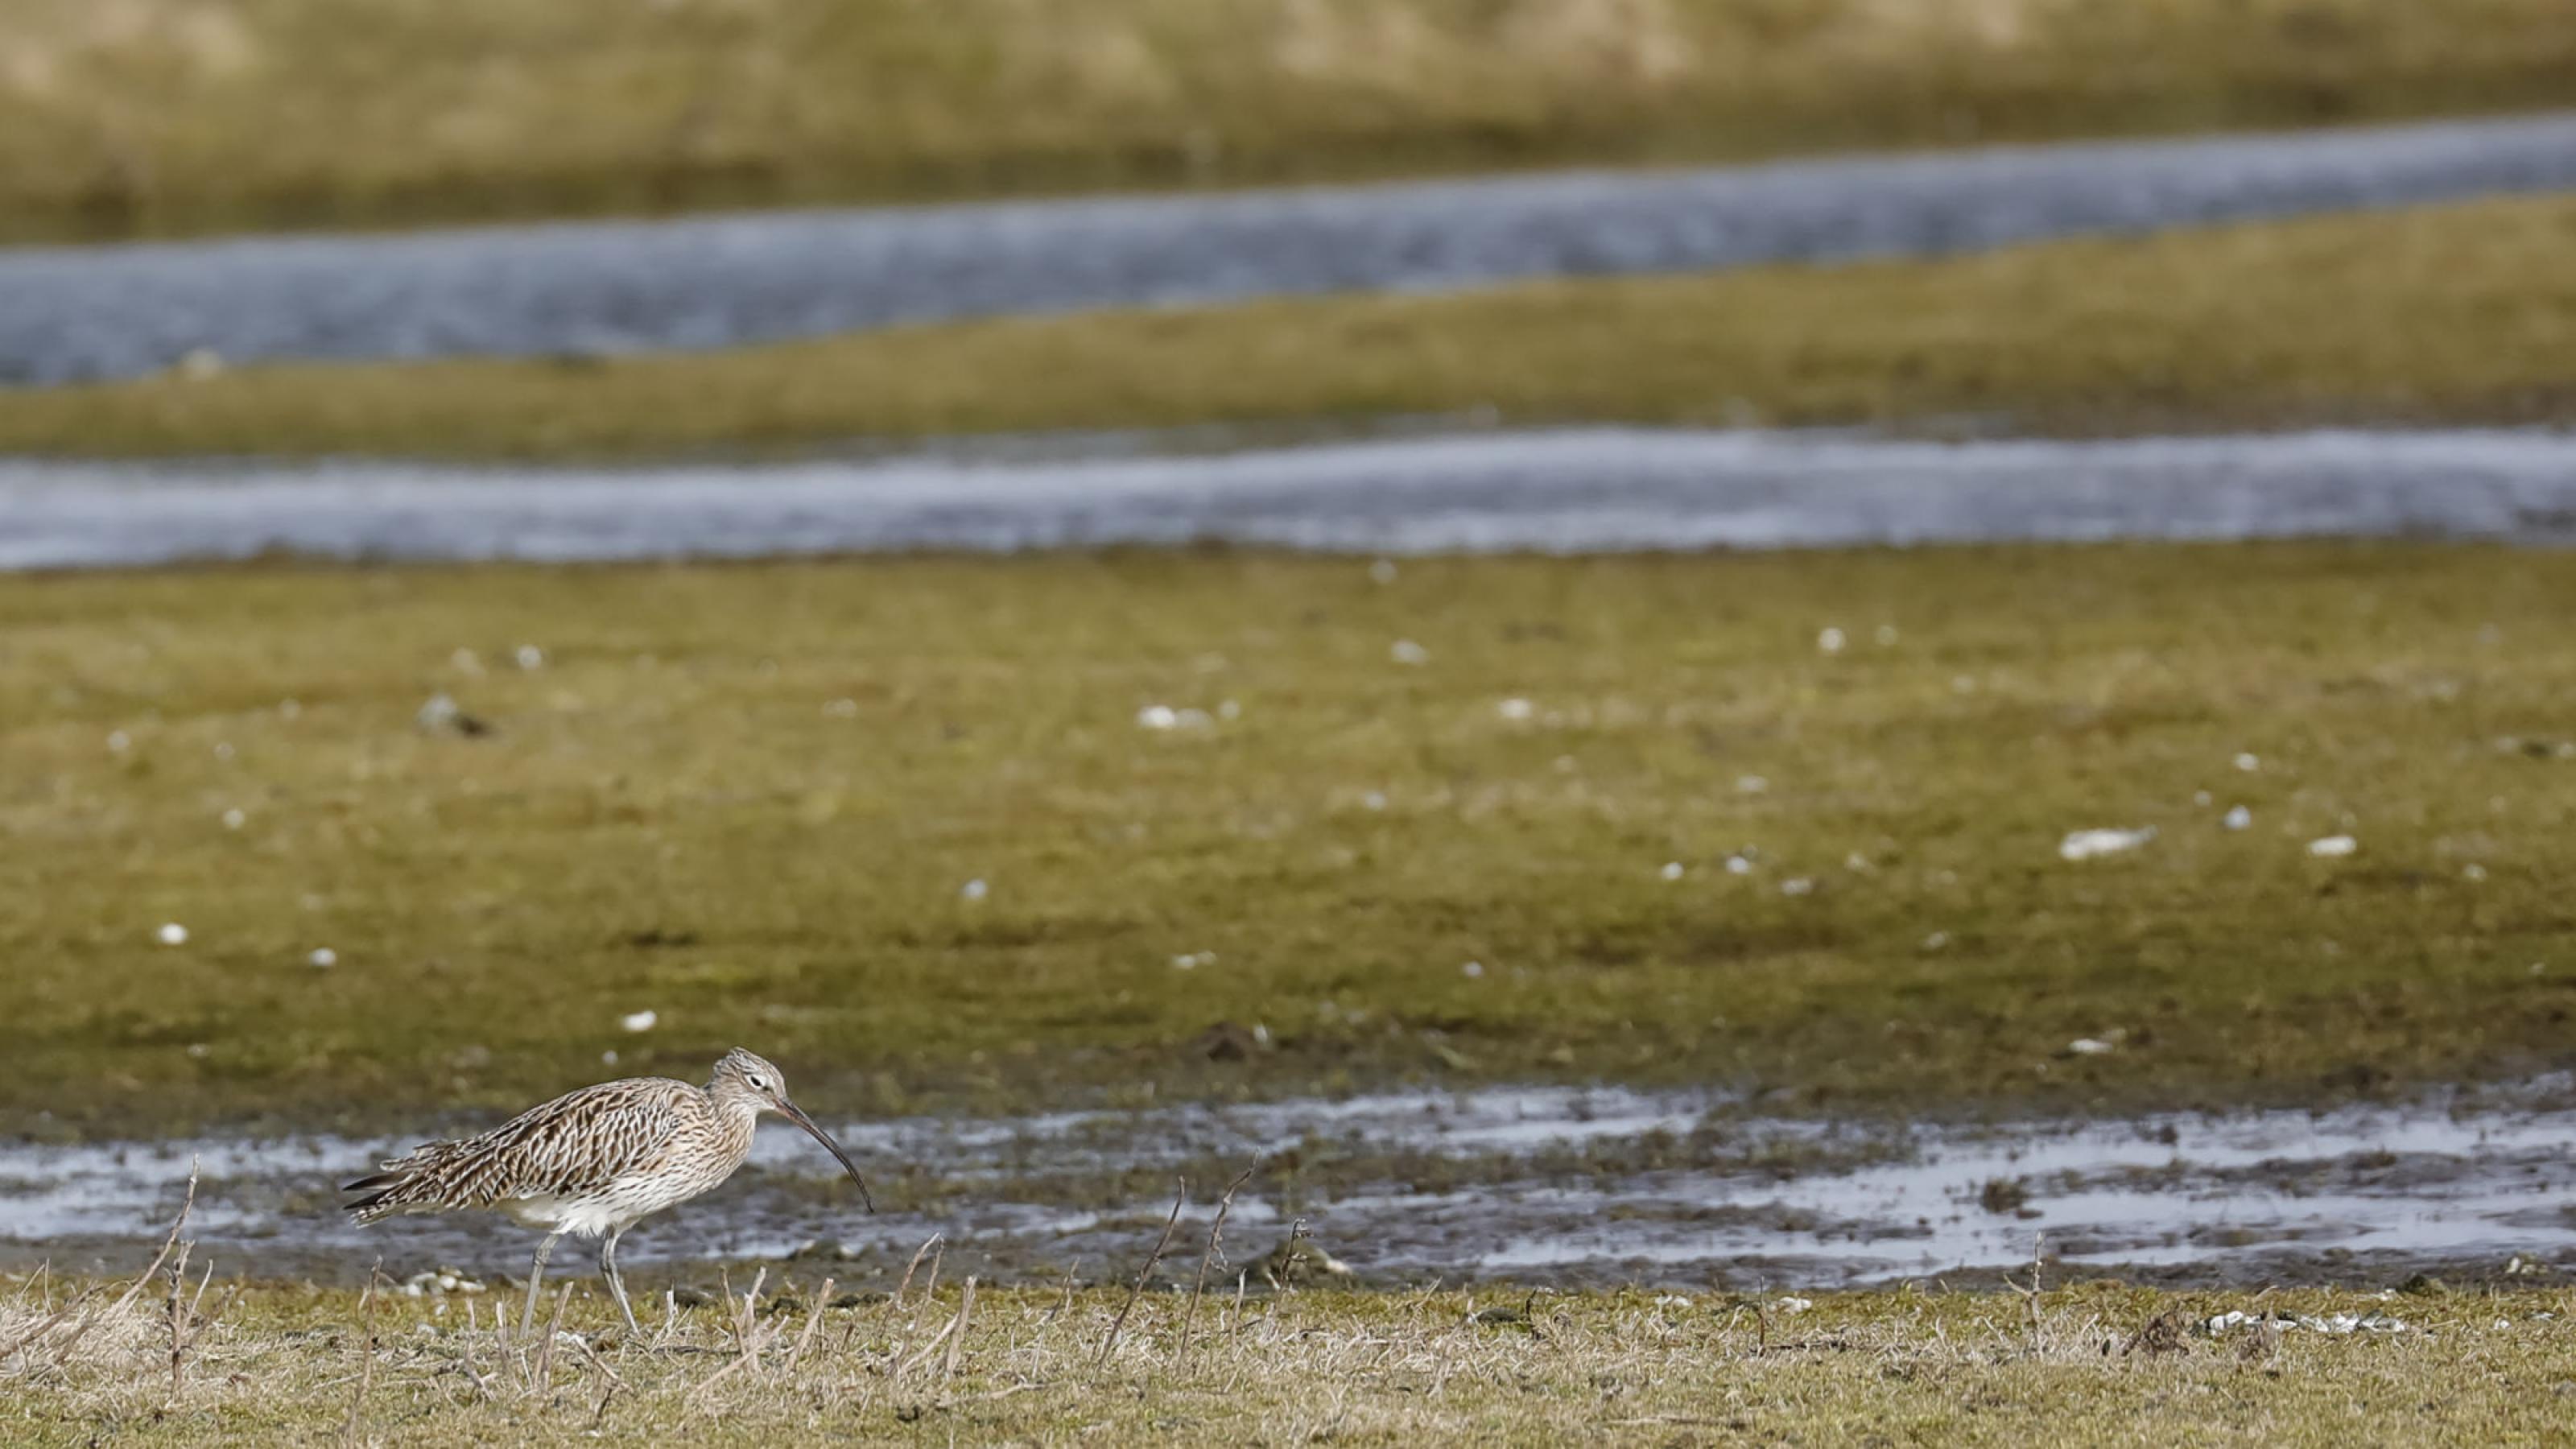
403	1183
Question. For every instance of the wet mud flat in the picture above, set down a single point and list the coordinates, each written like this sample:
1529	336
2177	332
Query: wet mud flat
1535	1186
1556	491
70	314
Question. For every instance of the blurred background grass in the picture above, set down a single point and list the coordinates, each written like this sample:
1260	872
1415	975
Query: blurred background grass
747	798
163	117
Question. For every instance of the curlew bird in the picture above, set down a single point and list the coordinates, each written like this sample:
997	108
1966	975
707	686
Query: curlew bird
595	1161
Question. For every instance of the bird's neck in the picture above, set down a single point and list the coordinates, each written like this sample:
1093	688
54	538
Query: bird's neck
737	1118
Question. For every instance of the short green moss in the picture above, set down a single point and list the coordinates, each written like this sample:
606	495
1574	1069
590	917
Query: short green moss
747	798
2098	1365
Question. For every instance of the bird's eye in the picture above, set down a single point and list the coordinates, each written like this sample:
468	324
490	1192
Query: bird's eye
757	1084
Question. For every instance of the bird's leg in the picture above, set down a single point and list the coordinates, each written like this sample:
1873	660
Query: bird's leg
536	1274
617	1285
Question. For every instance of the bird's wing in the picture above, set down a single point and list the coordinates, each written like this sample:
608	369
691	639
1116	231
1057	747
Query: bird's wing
579	1142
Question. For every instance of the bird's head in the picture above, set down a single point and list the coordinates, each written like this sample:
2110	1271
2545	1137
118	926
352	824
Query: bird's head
745	1081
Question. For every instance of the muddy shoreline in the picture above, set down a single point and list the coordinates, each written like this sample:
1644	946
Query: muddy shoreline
71	314
1572	490
1532	1186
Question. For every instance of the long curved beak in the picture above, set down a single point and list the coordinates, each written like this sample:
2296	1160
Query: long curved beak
796	1114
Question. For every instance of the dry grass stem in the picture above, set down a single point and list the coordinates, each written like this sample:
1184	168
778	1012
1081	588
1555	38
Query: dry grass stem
1213	1253
1109	1340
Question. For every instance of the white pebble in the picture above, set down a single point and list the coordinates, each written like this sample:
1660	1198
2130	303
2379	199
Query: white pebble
1405	651
1738	865
1792	1305
223	749
289	708
118	742
841	709
2333	845
2238	818
639	1020
1672	870
2473	871
1472	970
2249	763
1192	960
172	934
466	661
1515	709
1936	941
1886	635
323	956
973	890
1831	641
2200	797
1373	800
2086	844
529	656
1164	717
1751	784
234	819
608	1058
2085	1046
1228	709
1797	885
1382	571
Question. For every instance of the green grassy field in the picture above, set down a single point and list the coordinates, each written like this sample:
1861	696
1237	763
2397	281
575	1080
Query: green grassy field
176	116
2097	1365
747	798
2463	313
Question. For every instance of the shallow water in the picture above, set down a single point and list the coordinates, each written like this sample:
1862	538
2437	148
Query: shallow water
79	313
1523	1185
1568	490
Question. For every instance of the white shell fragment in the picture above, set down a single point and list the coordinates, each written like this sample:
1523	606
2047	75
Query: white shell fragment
2086	844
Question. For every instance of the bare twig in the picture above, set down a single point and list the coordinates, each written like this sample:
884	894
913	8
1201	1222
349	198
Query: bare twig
813	1319
465	1350
957	1340
178	1278
183	1322
946	1330
366	1364
1109	1340
545	1371
1215	1253
178	1225
933	1241
749	1356
2030	1295
747	1328
1066	1301
615	1379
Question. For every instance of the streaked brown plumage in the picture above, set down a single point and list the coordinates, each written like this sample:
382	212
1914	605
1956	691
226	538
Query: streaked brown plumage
595	1161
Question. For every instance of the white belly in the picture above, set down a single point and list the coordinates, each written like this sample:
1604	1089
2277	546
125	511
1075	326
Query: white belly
595	1214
